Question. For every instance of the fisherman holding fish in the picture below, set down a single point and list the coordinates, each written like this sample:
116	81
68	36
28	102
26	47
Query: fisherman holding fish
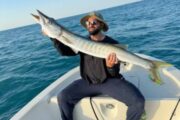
99	76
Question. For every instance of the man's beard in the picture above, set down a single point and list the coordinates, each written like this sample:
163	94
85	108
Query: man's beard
95	32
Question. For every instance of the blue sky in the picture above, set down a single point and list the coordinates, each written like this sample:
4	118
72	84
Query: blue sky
15	13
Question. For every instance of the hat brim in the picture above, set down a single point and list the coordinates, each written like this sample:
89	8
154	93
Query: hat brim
85	18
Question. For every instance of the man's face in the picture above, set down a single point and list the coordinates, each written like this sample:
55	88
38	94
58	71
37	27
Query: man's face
93	26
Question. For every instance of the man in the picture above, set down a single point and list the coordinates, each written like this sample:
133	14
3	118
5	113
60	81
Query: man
99	76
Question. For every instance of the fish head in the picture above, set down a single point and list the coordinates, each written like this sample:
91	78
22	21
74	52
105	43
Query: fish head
49	25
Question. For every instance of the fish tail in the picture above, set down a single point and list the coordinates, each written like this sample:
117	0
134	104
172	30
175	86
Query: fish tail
154	70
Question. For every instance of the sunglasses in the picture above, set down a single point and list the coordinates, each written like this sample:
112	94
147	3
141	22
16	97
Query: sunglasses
94	22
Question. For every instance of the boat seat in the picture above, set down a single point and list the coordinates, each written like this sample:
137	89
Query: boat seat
105	107
99	108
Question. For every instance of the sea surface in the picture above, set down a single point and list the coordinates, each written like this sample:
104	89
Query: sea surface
29	62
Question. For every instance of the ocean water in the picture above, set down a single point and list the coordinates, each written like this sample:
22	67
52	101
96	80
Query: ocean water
29	62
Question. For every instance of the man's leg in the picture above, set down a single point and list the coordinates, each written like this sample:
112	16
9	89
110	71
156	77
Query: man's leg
121	90
127	93
72	94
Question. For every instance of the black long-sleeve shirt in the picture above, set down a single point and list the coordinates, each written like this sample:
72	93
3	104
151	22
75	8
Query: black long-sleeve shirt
92	69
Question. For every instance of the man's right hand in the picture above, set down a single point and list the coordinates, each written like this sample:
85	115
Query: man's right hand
111	60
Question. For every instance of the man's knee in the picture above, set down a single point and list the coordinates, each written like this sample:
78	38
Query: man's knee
63	96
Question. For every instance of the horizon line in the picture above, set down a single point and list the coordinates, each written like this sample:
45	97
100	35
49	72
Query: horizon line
101	9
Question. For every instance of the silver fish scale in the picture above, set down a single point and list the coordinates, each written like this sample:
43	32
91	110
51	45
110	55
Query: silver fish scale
102	50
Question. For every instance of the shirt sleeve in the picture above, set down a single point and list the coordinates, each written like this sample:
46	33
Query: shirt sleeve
63	49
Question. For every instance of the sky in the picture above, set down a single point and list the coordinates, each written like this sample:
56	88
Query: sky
15	13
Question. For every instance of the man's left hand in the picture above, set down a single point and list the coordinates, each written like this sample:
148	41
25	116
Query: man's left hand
111	60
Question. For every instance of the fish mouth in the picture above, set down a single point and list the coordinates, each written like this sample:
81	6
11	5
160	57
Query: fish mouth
36	17
40	17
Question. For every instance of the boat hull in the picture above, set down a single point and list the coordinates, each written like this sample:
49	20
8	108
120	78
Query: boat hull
161	100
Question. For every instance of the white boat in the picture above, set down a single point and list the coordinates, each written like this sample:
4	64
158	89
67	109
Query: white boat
162	101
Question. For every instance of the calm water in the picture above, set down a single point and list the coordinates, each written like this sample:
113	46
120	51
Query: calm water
29	62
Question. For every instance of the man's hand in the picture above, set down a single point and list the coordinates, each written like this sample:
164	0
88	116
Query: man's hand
111	60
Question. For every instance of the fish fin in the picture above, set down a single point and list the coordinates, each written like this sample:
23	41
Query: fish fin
76	51
154	71
122	46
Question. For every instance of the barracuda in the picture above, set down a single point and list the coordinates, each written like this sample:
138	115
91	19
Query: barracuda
102	50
